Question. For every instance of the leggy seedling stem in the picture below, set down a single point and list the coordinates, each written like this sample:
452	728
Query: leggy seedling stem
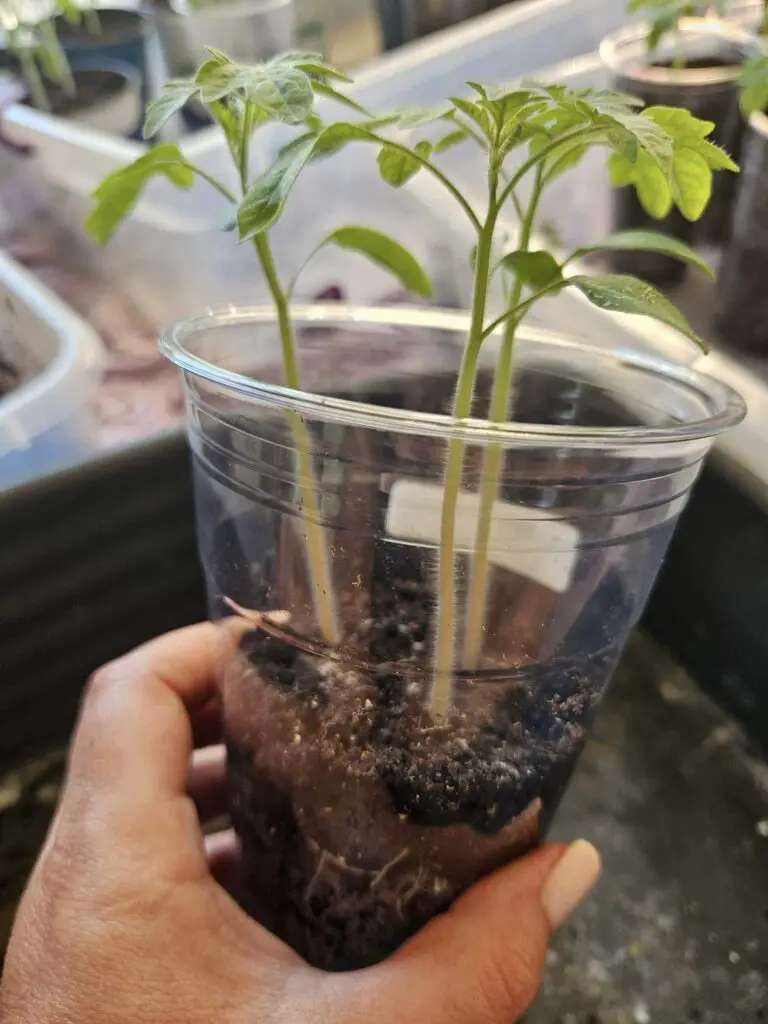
317	548
442	683
477	593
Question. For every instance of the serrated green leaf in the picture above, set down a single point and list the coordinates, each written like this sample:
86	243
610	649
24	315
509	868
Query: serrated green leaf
475	113
216	80
679	123
481	90
219	56
619	293
649	241
119	192
410	118
537	268
651	183
385	252
310	63
653	187
172	98
692	183
753	85
266	196
335	136
689	132
397	167
283	92
451	139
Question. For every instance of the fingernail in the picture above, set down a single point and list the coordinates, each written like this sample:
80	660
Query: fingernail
572	879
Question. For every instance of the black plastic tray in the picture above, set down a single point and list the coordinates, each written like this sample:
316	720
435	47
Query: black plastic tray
93	561
98	559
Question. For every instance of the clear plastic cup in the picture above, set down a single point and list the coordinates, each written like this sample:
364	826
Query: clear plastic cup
362	812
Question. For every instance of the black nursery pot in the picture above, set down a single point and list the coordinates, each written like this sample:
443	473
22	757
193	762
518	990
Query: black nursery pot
107	97
368	788
714	52
742	291
121	35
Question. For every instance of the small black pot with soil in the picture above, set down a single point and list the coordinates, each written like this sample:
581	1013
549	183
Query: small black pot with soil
707	86
742	289
361	810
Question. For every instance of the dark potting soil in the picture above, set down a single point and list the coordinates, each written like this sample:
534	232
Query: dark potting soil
360	816
92	86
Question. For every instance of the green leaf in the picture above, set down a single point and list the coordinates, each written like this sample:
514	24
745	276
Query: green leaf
229	120
689	132
324	89
385	252
619	293
216	80
475	113
651	183
649	241
410	118
170	101
692	183
653	186
620	170
538	268
397	166
310	63
119	192
753	83
694	158
219	56
283	92
335	136
451	139
264	201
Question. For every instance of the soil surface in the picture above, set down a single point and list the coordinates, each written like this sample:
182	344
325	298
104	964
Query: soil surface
92	87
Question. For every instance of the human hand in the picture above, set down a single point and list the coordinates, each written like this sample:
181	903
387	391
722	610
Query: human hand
125	920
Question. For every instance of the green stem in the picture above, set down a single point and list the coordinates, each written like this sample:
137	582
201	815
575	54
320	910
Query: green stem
34	80
92	22
434	171
317	549
442	681
245	144
678	62
490	473
580	134
517	311
59	70
221	189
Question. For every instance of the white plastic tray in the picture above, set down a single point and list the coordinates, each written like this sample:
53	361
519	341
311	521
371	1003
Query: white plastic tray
45	423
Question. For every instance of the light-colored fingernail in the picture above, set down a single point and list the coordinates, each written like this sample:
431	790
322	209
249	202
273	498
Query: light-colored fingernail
572	879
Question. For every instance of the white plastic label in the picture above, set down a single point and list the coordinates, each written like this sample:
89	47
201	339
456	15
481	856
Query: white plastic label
532	542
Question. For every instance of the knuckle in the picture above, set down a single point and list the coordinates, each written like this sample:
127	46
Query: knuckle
101	683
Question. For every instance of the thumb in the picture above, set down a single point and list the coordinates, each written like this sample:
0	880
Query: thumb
481	962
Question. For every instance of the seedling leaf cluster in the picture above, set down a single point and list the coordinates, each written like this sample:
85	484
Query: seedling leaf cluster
526	136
